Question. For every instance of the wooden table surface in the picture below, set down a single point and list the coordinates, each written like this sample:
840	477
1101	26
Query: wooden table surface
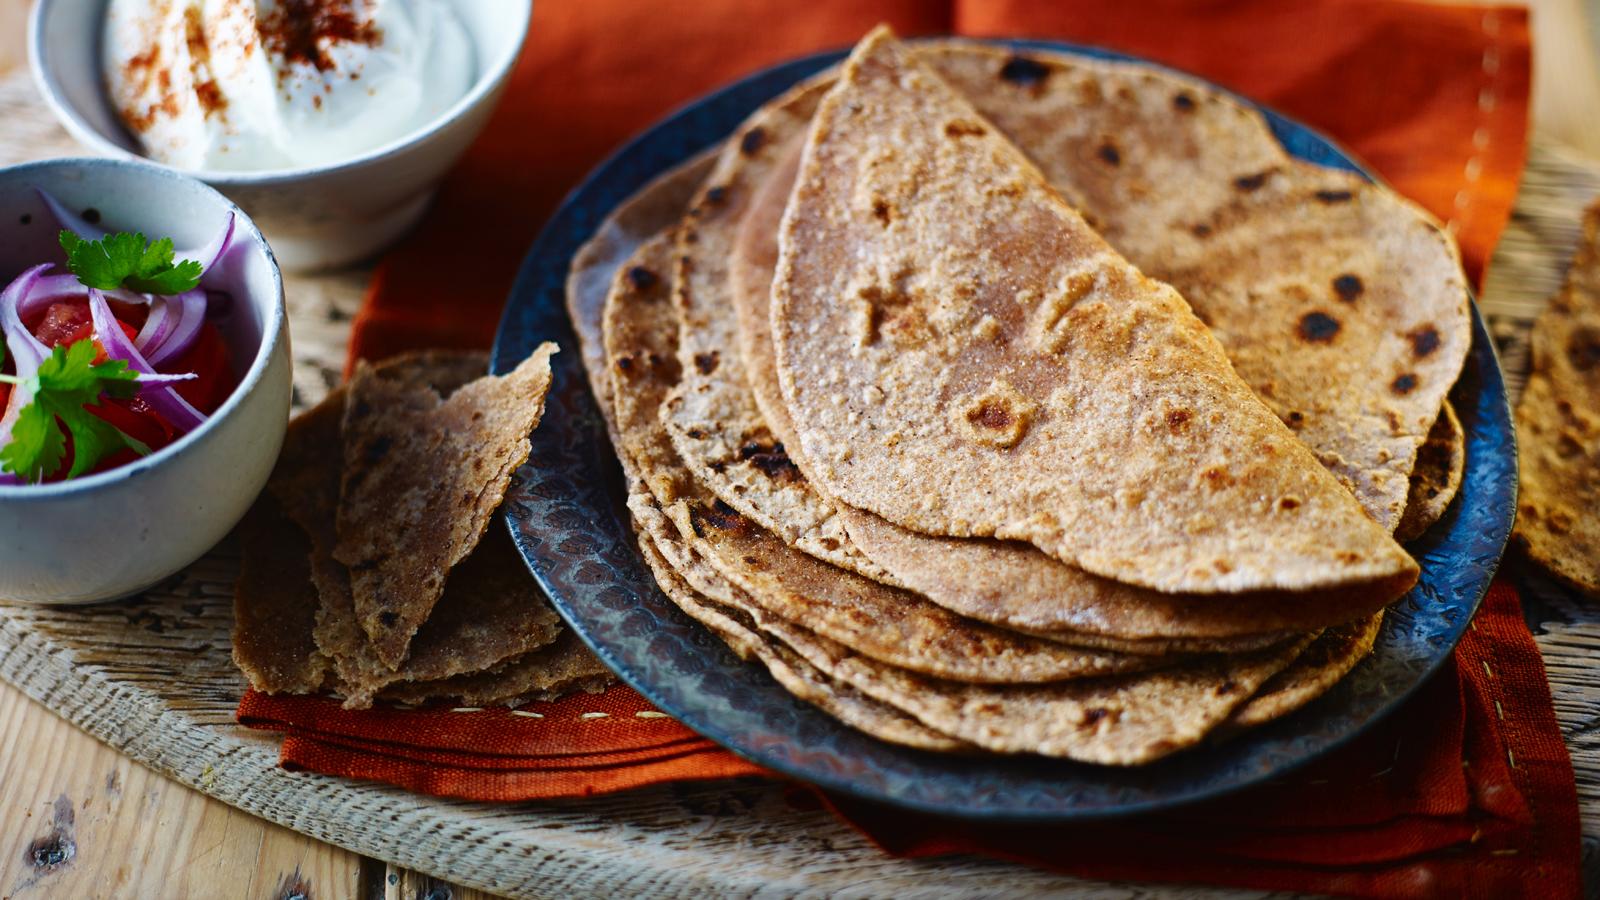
77	819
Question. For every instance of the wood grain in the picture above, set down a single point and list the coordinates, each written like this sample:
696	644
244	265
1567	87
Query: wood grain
86	821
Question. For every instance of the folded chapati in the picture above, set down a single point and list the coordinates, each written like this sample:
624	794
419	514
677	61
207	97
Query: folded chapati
1320	666
1121	720
891	625
1060	396
1340	303
1006	583
719	432
1558	426
638	219
731	623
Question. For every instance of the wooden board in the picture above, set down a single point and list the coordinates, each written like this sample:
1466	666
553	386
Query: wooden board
77	800
151	678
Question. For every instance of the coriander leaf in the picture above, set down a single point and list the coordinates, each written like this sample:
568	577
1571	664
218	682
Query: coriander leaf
156	257
72	374
36	444
65	383
93	438
185	276
127	260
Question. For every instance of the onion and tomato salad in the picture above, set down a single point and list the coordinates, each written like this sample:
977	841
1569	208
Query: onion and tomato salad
110	356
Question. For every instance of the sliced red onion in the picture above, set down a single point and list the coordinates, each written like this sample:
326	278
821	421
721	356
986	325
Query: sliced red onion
26	350
157	326
26	354
186	312
163	399
212	252
207	255
52	288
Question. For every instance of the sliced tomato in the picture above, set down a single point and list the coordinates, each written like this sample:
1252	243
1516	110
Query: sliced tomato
207	358
133	417
64	323
67	322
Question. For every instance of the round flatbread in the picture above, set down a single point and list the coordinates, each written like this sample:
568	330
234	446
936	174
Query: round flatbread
1341	304
1062	397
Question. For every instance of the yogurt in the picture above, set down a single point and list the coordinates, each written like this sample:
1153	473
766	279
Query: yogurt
250	85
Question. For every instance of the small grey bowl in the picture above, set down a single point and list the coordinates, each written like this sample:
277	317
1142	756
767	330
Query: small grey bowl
117	532
319	217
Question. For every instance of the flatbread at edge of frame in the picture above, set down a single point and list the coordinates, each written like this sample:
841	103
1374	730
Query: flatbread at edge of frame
1558	426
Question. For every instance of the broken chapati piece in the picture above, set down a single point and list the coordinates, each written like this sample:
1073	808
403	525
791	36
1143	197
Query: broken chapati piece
491	637
422	474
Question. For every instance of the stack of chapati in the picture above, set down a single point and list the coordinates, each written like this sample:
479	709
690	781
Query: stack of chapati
369	569
907	416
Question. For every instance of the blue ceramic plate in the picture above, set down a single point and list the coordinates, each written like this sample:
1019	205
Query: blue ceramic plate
566	513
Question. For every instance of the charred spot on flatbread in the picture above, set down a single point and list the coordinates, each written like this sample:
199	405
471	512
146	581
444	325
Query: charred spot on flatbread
1318	327
752	141
1348	287
1583	349
1251	182
641	278
1024	72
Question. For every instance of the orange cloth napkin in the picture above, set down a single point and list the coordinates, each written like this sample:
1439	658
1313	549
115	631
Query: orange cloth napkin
1435	98
1470	791
579	745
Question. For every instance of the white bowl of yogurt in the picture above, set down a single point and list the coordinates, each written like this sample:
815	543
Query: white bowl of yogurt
331	122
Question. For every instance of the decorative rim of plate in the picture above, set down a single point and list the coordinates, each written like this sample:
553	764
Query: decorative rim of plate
566	517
